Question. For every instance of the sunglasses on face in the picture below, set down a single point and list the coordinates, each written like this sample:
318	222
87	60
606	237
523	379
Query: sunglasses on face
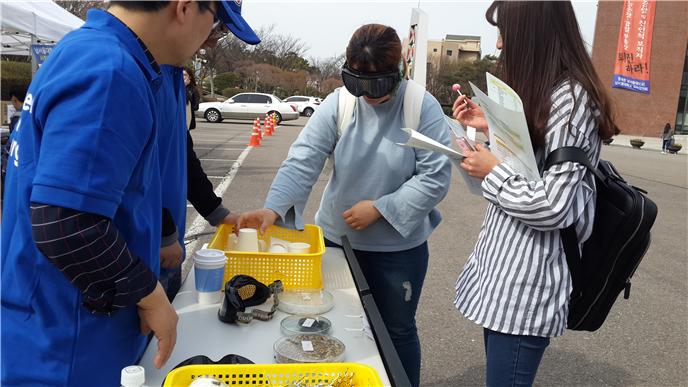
372	85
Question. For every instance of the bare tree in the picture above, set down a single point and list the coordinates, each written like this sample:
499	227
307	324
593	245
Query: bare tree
324	69
79	8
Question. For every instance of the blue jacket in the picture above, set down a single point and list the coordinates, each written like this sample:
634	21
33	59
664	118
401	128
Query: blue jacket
87	141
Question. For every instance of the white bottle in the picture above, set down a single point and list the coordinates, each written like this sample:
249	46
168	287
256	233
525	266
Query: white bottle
133	376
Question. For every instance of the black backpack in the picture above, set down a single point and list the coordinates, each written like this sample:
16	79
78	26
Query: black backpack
619	240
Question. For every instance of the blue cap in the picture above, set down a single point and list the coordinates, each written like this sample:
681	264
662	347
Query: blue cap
230	14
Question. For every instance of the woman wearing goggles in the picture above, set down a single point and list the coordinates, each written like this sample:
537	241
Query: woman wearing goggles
371	85
382	196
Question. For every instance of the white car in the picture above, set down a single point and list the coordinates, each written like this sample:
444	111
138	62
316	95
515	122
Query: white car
305	105
247	106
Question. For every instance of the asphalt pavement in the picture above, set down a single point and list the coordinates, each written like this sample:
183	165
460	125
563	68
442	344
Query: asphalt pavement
644	341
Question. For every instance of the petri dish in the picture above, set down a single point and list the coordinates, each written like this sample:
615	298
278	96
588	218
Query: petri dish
294	325
305	303
309	348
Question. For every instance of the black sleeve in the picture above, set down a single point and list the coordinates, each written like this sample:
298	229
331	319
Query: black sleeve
168	226
92	254
169	229
195	100
199	189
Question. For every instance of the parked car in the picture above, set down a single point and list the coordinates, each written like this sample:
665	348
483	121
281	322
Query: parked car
247	106
305	105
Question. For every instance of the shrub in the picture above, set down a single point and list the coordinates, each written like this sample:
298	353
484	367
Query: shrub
13	74
226	80
637	143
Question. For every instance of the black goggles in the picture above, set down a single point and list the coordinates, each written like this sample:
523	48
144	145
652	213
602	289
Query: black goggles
243	291
375	85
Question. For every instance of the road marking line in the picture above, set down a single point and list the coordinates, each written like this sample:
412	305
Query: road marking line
217	159
199	223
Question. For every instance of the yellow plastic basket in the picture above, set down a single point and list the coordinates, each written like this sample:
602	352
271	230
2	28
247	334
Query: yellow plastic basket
274	374
296	271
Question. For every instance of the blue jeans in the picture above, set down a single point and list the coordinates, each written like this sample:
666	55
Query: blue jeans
512	360
666	144
395	279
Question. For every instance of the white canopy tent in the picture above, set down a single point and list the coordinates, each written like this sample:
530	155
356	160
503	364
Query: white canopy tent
27	22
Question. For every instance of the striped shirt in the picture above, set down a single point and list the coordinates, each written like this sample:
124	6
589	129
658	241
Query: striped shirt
93	255
517	281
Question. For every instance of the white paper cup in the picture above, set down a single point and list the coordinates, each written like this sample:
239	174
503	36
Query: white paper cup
299	248
209	270
232	241
278	248
248	240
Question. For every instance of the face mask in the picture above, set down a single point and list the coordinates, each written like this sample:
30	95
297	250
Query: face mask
372	85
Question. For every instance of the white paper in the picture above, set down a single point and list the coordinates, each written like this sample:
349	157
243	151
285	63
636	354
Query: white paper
418	140
307	346
509	135
307	322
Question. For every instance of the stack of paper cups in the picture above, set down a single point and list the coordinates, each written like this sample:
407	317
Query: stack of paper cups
209	269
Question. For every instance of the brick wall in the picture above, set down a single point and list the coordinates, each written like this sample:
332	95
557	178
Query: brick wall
638	113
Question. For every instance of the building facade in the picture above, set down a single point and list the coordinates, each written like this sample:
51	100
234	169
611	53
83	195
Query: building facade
646	114
453	48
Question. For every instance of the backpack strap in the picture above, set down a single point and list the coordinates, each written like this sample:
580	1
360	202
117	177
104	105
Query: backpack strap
413	103
345	110
575	154
569	239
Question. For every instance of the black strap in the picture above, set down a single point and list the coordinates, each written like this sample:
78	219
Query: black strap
571	153
569	239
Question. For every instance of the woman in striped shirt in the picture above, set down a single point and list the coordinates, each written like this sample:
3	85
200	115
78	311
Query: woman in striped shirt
516	283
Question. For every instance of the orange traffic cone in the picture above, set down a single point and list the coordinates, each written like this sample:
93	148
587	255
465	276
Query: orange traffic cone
256	128
255	140
268	127
255	134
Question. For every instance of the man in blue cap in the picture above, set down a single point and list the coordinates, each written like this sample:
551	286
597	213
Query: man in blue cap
185	174
82	210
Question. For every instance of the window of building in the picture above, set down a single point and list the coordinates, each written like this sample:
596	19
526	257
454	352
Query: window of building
434	50
681	125
449	52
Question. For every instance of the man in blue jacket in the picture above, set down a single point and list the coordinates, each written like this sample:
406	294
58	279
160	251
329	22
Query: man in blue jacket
82	211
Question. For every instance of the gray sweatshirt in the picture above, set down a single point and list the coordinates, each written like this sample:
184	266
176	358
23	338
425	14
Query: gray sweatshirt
405	183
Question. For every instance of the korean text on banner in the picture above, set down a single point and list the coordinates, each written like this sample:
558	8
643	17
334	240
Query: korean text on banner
632	63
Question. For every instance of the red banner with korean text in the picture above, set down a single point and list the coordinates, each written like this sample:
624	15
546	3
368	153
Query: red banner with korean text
632	65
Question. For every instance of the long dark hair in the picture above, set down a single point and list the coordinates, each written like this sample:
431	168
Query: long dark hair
542	47
374	48
193	96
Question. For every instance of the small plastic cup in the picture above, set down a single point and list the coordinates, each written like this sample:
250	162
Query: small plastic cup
299	248
209	269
